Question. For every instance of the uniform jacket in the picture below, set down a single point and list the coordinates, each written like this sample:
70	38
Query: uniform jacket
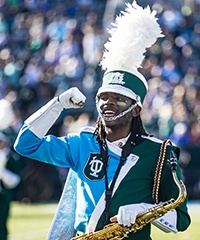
81	153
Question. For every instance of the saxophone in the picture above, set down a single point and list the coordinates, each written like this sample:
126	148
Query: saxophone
115	231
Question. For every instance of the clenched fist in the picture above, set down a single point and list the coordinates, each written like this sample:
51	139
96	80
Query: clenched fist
72	98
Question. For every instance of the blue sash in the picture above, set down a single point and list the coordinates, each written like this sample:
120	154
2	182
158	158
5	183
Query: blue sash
62	227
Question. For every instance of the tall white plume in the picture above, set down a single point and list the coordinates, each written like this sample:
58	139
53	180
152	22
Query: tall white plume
134	30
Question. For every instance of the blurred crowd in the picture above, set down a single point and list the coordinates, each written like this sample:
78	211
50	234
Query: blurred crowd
172	106
48	46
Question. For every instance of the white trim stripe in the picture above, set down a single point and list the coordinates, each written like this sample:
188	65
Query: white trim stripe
101	204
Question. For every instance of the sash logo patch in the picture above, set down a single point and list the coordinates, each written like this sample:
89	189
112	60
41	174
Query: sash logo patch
94	168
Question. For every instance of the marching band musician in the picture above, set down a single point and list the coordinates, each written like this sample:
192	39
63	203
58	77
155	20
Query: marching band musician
113	165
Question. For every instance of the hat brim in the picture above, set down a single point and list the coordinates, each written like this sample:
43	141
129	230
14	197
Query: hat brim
120	90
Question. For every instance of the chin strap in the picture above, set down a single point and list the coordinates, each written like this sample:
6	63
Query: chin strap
119	115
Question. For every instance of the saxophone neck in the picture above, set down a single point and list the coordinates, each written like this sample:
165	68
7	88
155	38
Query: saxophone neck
182	189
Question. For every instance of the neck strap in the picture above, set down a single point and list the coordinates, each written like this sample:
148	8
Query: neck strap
127	149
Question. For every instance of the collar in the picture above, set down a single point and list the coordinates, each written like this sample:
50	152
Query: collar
119	143
116	146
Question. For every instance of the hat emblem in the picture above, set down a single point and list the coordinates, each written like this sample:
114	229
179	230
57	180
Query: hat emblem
117	78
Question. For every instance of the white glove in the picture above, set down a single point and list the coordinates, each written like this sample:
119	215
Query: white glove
72	98
127	214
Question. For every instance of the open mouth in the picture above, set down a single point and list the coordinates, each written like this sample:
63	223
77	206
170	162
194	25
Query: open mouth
109	113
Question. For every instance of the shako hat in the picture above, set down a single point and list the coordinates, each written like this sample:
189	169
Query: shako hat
134	30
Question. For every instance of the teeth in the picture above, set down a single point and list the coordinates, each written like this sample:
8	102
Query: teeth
109	112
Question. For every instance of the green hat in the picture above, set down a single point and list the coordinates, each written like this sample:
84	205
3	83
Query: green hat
125	83
134	30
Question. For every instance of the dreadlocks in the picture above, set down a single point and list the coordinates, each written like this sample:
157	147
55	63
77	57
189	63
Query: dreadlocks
137	130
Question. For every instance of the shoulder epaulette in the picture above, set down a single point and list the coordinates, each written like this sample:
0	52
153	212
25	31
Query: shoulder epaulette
153	139
87	129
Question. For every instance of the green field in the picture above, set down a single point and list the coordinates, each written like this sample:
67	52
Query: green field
31	222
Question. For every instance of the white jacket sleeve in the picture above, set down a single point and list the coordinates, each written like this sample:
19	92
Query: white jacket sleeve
127	215
42	120
167	223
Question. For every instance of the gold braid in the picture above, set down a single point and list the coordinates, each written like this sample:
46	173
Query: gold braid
159	167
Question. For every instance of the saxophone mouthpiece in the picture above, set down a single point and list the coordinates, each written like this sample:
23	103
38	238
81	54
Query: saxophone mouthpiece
173	161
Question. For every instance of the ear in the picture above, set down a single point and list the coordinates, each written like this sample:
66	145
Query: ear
136	111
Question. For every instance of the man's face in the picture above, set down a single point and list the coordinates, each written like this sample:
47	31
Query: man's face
111	105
